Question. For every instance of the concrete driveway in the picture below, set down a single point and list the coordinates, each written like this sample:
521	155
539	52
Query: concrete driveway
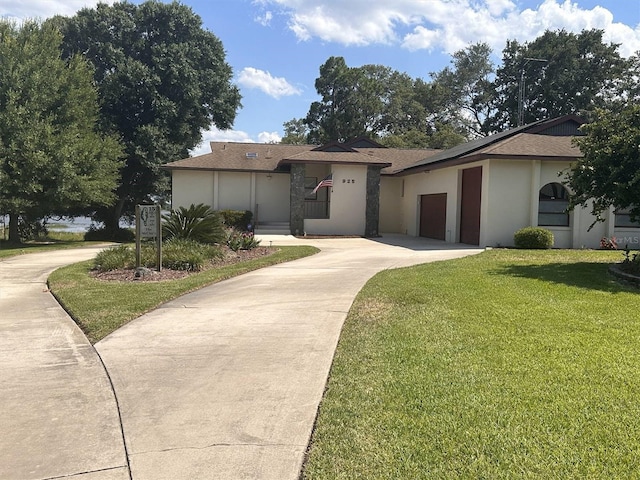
58	415
225	382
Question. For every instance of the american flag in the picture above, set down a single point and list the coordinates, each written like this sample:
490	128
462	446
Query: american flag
325	182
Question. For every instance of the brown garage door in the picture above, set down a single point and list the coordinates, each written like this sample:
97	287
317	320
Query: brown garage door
470	209
433	215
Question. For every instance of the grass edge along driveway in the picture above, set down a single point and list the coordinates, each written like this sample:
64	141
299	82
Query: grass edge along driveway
101	307
506	364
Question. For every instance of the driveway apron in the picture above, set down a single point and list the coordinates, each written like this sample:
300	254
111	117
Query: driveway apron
225	382
58	414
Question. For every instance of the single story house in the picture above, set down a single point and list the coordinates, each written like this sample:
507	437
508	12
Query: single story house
478	193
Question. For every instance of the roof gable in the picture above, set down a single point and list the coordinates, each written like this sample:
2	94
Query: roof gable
554	127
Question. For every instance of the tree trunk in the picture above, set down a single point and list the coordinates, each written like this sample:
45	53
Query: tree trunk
14	234
112	217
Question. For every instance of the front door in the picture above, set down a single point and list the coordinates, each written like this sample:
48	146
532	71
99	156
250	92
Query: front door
470	206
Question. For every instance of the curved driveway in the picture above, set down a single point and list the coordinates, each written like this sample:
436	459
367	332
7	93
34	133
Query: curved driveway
225	382
58	415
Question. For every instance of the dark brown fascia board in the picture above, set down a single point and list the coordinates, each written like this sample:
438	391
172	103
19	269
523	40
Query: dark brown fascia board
204	169
476	158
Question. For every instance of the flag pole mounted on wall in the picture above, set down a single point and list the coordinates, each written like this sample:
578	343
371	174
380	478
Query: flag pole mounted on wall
325	182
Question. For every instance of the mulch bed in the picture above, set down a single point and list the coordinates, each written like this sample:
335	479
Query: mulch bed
229	258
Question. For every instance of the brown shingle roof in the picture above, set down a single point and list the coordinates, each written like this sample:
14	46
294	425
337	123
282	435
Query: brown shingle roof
521	142
255	157
531	145
261	157
353	158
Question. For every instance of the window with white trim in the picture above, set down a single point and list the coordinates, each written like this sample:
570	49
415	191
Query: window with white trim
623	219
552	206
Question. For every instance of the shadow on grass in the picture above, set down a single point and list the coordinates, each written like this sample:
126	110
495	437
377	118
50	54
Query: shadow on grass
590	275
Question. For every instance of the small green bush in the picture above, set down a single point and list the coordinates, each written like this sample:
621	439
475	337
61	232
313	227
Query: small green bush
114	258
533	237
631	262
177	254
198	223
237	240
238	219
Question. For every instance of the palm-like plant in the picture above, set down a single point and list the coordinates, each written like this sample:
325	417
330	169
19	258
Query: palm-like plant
198	223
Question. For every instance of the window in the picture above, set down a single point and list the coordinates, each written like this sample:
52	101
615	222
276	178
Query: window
552	206
309	184
623	219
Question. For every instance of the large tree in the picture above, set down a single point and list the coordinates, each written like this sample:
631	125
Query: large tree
609	172
162	80
467	88
375	101
563	72
52	160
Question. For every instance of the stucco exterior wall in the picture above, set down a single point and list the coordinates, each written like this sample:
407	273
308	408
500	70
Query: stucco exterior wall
513	194
436	181
235	191
391	193
348	203
272	197
191	187
508	196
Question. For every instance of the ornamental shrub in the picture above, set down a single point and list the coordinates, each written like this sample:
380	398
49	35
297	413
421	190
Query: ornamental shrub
198	223
533	237
177	254
114	258
237	240
238	219
180	254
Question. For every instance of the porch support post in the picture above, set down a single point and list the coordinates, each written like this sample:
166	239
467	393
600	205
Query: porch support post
296	213
372	214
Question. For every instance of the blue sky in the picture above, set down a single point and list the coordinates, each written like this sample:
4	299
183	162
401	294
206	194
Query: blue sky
277	46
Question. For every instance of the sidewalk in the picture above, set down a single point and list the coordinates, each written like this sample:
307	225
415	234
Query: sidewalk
58	413
225	382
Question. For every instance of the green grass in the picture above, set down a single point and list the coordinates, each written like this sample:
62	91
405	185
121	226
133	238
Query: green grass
100	307
508	364
54	241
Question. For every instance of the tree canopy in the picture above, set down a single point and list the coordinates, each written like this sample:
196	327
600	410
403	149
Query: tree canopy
52	160
162	79
370	100
609	172
563	73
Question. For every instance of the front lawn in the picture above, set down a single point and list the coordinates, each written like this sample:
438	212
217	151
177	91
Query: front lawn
507	364
54	241
100	307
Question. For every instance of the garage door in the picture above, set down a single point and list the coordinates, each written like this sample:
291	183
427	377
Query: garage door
433	216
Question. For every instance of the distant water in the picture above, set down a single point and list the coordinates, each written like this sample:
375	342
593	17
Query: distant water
74	224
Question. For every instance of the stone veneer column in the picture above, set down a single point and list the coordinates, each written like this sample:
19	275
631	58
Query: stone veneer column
296	212
372	215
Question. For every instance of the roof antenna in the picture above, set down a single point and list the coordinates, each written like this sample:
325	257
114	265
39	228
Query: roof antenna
521	87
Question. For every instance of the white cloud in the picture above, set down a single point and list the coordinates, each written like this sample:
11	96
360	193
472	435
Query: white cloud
269	137
38	9
215	135
265	20
446	25
275	87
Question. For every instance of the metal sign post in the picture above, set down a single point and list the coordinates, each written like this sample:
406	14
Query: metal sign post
148	225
